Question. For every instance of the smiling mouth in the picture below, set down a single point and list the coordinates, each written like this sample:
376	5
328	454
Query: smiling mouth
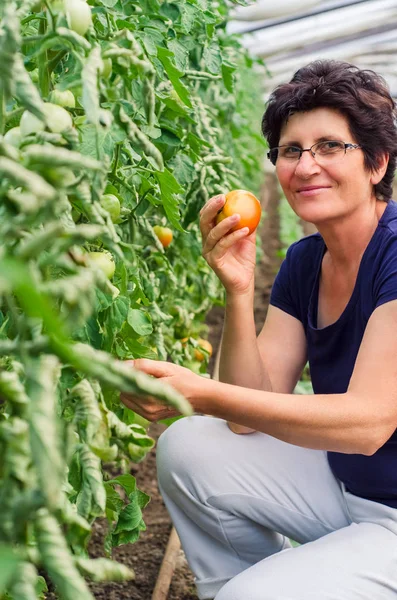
312	190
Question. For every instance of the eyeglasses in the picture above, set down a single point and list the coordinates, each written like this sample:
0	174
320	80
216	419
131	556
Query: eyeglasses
323	152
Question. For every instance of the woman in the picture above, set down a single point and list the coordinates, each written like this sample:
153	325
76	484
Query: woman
320	469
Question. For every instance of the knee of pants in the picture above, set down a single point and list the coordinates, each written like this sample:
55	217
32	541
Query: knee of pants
236	589
185	449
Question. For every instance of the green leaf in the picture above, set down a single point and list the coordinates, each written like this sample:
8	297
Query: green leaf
151	38
183	169
9	562
127	482
131	515
181	54
169	189
174	74
212	58
140	321
188	17
113	500
118	312
228	76
94	140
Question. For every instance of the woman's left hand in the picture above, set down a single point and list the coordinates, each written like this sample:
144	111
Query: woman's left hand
180	378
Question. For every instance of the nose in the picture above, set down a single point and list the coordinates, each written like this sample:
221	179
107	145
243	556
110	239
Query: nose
307	166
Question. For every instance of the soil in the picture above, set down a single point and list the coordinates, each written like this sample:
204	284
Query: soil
145	556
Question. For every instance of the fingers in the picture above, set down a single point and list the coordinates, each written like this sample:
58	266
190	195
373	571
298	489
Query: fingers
209	212
157	368
149	409
220	231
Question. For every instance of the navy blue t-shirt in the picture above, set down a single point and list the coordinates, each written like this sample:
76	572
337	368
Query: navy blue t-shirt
332	350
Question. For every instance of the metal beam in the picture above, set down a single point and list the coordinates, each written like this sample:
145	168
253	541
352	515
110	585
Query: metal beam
276	22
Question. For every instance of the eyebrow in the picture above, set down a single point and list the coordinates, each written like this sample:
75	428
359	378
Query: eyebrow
323	138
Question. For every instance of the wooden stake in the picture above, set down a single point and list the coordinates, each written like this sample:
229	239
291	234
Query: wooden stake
167	568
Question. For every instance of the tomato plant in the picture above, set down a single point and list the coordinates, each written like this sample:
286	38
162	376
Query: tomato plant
246	205
161	121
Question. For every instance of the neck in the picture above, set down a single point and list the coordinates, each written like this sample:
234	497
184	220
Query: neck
347	239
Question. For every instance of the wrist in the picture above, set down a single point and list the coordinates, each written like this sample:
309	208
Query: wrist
241	298
204	395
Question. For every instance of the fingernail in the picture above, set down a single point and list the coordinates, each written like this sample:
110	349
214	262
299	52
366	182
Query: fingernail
235	217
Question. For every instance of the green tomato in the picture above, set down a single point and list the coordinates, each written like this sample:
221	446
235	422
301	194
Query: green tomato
78	15
13	137
30	124
65	99
60	177
57	120
103	261
111	204
107	68
34	75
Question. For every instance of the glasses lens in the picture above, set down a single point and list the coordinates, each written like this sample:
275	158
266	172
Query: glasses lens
289	152
329	149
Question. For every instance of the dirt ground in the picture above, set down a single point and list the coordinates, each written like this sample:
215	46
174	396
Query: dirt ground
146	555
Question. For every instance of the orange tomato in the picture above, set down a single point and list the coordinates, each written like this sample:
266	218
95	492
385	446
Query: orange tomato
204	344
164	234
246	205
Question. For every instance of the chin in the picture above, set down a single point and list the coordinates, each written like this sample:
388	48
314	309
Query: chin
315	212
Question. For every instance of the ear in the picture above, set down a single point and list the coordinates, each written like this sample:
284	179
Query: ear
378	173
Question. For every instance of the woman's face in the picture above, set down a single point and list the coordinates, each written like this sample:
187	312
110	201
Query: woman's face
320	194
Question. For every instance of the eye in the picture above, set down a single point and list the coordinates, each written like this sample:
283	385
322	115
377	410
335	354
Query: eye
329	147
289	151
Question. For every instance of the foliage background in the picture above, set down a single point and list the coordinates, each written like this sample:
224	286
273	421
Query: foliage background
176	121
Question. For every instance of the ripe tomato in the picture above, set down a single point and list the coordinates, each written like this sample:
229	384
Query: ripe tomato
65	99
200	356
78	15
104	261
111	204
57	119
13	137
164	234
246	205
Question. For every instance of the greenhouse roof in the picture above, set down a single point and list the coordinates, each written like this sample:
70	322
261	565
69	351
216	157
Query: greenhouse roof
290	33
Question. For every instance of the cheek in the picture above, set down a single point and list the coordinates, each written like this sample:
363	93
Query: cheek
284	176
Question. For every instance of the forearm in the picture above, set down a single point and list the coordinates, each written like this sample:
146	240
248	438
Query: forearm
335	422
240	362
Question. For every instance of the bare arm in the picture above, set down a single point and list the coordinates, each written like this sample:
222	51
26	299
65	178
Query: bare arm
271	362
245	360
358	421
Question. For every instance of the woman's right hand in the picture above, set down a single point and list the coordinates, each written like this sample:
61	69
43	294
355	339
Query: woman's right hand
231	255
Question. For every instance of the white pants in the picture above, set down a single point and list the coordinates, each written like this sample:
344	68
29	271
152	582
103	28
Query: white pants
235	501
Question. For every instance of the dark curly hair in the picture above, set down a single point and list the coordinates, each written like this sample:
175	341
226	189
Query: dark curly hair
362	96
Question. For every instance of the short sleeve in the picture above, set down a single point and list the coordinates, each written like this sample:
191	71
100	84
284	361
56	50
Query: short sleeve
282	293
385	288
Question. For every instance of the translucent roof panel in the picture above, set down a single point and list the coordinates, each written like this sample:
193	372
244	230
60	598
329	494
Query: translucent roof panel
363	32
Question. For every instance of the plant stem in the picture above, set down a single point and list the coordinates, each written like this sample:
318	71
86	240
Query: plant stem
44	74
2	109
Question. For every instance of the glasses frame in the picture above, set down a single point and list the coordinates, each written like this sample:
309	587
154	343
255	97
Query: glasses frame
347	146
